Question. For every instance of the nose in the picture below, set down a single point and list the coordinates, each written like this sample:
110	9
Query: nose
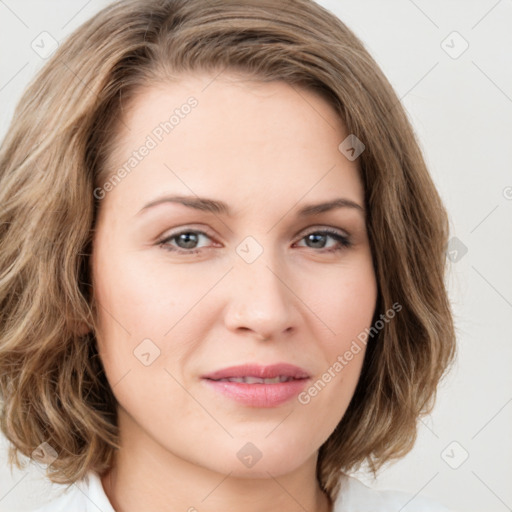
261	302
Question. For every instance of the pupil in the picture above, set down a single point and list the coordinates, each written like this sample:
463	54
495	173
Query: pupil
315	238
189	239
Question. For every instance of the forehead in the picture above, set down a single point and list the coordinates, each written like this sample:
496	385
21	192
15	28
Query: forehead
233	138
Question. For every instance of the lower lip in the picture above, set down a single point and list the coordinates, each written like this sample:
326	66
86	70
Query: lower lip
259	395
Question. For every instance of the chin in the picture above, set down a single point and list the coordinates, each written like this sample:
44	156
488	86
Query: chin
263	469
262	459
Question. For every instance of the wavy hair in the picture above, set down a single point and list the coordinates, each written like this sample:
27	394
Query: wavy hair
52	382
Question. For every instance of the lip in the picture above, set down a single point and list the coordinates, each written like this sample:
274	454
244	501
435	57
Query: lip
259	394
263	372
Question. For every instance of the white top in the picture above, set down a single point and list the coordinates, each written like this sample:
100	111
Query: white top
88	496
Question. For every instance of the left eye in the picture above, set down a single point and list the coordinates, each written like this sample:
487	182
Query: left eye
320	237
186	241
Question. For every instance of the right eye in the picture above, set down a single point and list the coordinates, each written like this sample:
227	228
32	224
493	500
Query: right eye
186	241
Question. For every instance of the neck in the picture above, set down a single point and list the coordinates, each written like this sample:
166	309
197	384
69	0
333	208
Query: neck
145	476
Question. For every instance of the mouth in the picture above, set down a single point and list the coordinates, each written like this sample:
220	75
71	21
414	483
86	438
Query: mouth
260	373
258	386
256	380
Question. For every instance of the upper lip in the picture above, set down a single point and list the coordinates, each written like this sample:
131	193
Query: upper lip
263	372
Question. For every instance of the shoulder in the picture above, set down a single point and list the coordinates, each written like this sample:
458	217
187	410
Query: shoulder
355	496
71	499
87	495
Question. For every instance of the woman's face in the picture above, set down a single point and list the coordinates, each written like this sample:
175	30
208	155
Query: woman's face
232	275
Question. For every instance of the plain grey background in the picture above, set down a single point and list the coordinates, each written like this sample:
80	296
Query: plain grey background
451	65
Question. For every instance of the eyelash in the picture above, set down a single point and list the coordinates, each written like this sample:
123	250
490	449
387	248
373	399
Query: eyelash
343	241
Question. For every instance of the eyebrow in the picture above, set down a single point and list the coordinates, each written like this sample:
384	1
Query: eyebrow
219	207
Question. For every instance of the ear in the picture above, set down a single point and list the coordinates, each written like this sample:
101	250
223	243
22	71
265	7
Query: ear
82	329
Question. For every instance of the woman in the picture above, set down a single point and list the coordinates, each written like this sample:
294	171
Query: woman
222	264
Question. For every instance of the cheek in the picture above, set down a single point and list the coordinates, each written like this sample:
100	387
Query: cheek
142	313
135	314
137	295
345	302
347	309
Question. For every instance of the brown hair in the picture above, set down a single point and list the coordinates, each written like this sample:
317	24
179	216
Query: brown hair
51	378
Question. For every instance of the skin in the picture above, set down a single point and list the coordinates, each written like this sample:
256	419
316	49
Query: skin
265	149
